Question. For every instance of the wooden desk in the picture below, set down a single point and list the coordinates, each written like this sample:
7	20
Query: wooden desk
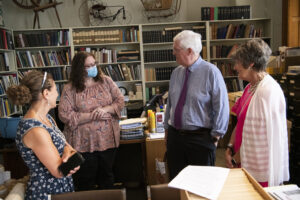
129	166
14	163
155	148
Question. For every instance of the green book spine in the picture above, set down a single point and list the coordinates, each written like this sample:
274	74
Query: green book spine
216	13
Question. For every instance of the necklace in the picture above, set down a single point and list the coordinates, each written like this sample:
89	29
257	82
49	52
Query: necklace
254	87
44	120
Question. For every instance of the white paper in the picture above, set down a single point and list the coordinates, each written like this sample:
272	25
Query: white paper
157	135
201	180
284	192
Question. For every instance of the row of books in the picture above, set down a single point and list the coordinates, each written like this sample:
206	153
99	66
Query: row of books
226	68
167	34
223	13
7	108
7	81
49	38
152	91
4	62
232	84
105	36
123	72
43	58
103	55
231	31
6	41
159	55
222	51
58	73
158	74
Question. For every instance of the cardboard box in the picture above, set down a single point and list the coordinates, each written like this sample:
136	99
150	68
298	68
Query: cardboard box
238	185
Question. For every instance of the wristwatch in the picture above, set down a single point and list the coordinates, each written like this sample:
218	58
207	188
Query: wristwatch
230	146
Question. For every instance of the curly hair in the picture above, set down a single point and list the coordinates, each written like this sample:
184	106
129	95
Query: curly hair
78	72
254	51
27	92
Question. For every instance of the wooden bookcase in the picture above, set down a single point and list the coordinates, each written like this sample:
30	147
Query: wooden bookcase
8	72
139	57
46	50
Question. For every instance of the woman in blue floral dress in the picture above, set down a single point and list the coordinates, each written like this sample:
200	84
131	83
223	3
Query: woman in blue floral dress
39	141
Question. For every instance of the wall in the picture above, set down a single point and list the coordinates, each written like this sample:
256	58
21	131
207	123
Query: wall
71	12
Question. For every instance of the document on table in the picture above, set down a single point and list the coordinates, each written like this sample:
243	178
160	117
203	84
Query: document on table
284	192
201	180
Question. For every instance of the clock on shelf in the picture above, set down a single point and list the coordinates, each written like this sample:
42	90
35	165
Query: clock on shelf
123	90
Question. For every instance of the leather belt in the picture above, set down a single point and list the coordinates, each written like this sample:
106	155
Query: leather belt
197	131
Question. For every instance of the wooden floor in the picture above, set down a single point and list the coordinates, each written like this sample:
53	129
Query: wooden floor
220	157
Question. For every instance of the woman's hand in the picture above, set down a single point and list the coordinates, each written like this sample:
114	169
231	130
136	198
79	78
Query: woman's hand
100	113
65	158
73	171
228	158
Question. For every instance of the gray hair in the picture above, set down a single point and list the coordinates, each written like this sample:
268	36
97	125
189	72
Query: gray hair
254	51
189	39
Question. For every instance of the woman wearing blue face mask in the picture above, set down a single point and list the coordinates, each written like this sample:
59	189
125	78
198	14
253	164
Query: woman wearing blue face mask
90	107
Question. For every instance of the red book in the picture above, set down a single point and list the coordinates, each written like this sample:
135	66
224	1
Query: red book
4	39
212	13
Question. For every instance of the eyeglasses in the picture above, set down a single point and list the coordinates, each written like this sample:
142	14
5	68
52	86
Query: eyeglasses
91	65
44	80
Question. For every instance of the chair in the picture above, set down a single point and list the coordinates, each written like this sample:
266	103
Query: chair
117	194
162	191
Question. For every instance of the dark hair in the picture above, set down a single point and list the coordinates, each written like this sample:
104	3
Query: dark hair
27	92
254	51
78	72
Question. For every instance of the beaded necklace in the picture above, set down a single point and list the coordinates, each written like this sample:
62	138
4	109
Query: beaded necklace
260	78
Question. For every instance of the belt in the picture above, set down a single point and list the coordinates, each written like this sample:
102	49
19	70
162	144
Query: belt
197	131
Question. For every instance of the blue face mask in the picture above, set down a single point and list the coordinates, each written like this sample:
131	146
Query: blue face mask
92	71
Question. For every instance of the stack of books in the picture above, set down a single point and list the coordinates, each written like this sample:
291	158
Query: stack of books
132	129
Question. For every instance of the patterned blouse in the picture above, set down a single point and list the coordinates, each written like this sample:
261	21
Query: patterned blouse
94	135
41	182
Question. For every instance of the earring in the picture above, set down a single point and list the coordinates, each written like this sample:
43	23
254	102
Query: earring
48	102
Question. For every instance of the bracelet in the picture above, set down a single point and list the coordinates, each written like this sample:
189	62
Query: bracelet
230	146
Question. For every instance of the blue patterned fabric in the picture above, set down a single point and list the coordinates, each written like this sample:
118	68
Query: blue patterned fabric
41	182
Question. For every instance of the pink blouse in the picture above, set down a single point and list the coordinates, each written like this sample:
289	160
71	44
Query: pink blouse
240	109
95	135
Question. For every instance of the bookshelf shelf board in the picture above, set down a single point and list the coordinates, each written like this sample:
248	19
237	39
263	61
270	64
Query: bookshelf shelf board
128	62
61	81
2	95
236	39
133	81
162	81
220	59
18	112
42	47
106	44
158	63
8	72
6	50
238	20
40	30
158	44
43	67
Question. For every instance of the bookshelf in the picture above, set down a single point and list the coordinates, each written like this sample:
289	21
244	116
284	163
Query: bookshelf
137	57
46	50
224	38
117	49
159	61
8	72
